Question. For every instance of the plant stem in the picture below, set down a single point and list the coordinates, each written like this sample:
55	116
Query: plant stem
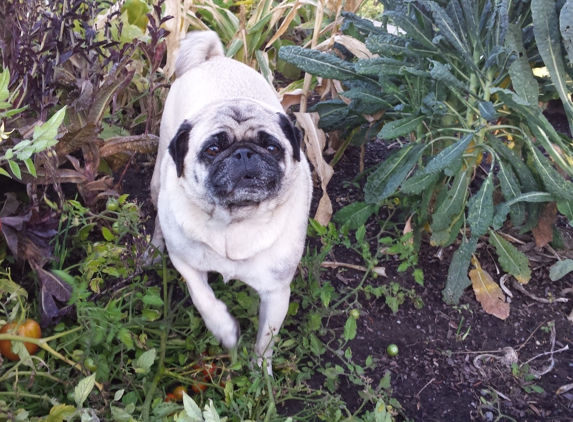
163	336
272	405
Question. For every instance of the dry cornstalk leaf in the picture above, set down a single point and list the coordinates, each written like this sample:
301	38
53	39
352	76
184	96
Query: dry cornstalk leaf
488	292
145	144
277	14
315	141
352	5
323	87
358	48
291	98
172	8
543	232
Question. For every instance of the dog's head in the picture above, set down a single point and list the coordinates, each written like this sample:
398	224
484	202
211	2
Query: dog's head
236	153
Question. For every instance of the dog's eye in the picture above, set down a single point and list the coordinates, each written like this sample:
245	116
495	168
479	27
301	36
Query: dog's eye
213	150
273	149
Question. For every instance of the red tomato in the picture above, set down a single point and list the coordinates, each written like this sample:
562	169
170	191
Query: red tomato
198	388
28	328
170	397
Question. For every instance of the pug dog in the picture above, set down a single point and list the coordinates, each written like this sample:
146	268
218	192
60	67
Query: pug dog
231	186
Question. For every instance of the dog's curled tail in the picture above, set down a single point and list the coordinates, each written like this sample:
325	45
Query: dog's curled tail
196	48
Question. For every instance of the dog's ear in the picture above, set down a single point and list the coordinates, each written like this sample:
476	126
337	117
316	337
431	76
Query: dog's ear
292	133
179	146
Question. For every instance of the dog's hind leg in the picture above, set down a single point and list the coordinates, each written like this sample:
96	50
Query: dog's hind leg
273	310
213	311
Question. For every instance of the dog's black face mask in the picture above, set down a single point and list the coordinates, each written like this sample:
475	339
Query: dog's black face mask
242	172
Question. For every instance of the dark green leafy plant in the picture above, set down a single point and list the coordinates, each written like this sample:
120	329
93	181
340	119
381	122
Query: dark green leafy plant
453	82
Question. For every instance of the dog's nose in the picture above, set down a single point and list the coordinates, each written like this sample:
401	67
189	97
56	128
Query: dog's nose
243	154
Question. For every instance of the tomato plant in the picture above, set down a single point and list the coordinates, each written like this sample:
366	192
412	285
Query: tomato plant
29	328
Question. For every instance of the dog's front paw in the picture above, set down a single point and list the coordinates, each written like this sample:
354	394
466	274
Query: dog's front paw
228	332
260	363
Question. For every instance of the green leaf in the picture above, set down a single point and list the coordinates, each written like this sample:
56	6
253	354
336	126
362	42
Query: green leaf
365	101
552	180
191	409
546	31
401	127
386	179
565	19
565	208
30	166
448	155
419	182
122	414
83	389
4	92
136	13
510	189
125	337
523	173
458	280
560	269
487	110
379	65
412	29
60	413
355	214
396	177
387	45
480	208
441	73
145	361
210	413
49	130
320	64
453	204
520	72
511	259
502	209
349	329
449	31
15	169
4	173
107	234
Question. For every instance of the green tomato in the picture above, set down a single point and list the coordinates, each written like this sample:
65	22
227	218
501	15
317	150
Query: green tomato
115	227
70	396
112	204
90	364
392	350
355	313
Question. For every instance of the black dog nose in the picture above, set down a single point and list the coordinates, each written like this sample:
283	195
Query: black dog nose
243	154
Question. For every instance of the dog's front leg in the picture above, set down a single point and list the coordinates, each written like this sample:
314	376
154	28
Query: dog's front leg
273	310
213	311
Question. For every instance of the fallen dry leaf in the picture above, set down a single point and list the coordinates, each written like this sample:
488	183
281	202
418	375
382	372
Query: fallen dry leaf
488	292
543	232
408	228
315	141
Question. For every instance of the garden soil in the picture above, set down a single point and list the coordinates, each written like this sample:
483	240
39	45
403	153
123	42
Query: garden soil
454	361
